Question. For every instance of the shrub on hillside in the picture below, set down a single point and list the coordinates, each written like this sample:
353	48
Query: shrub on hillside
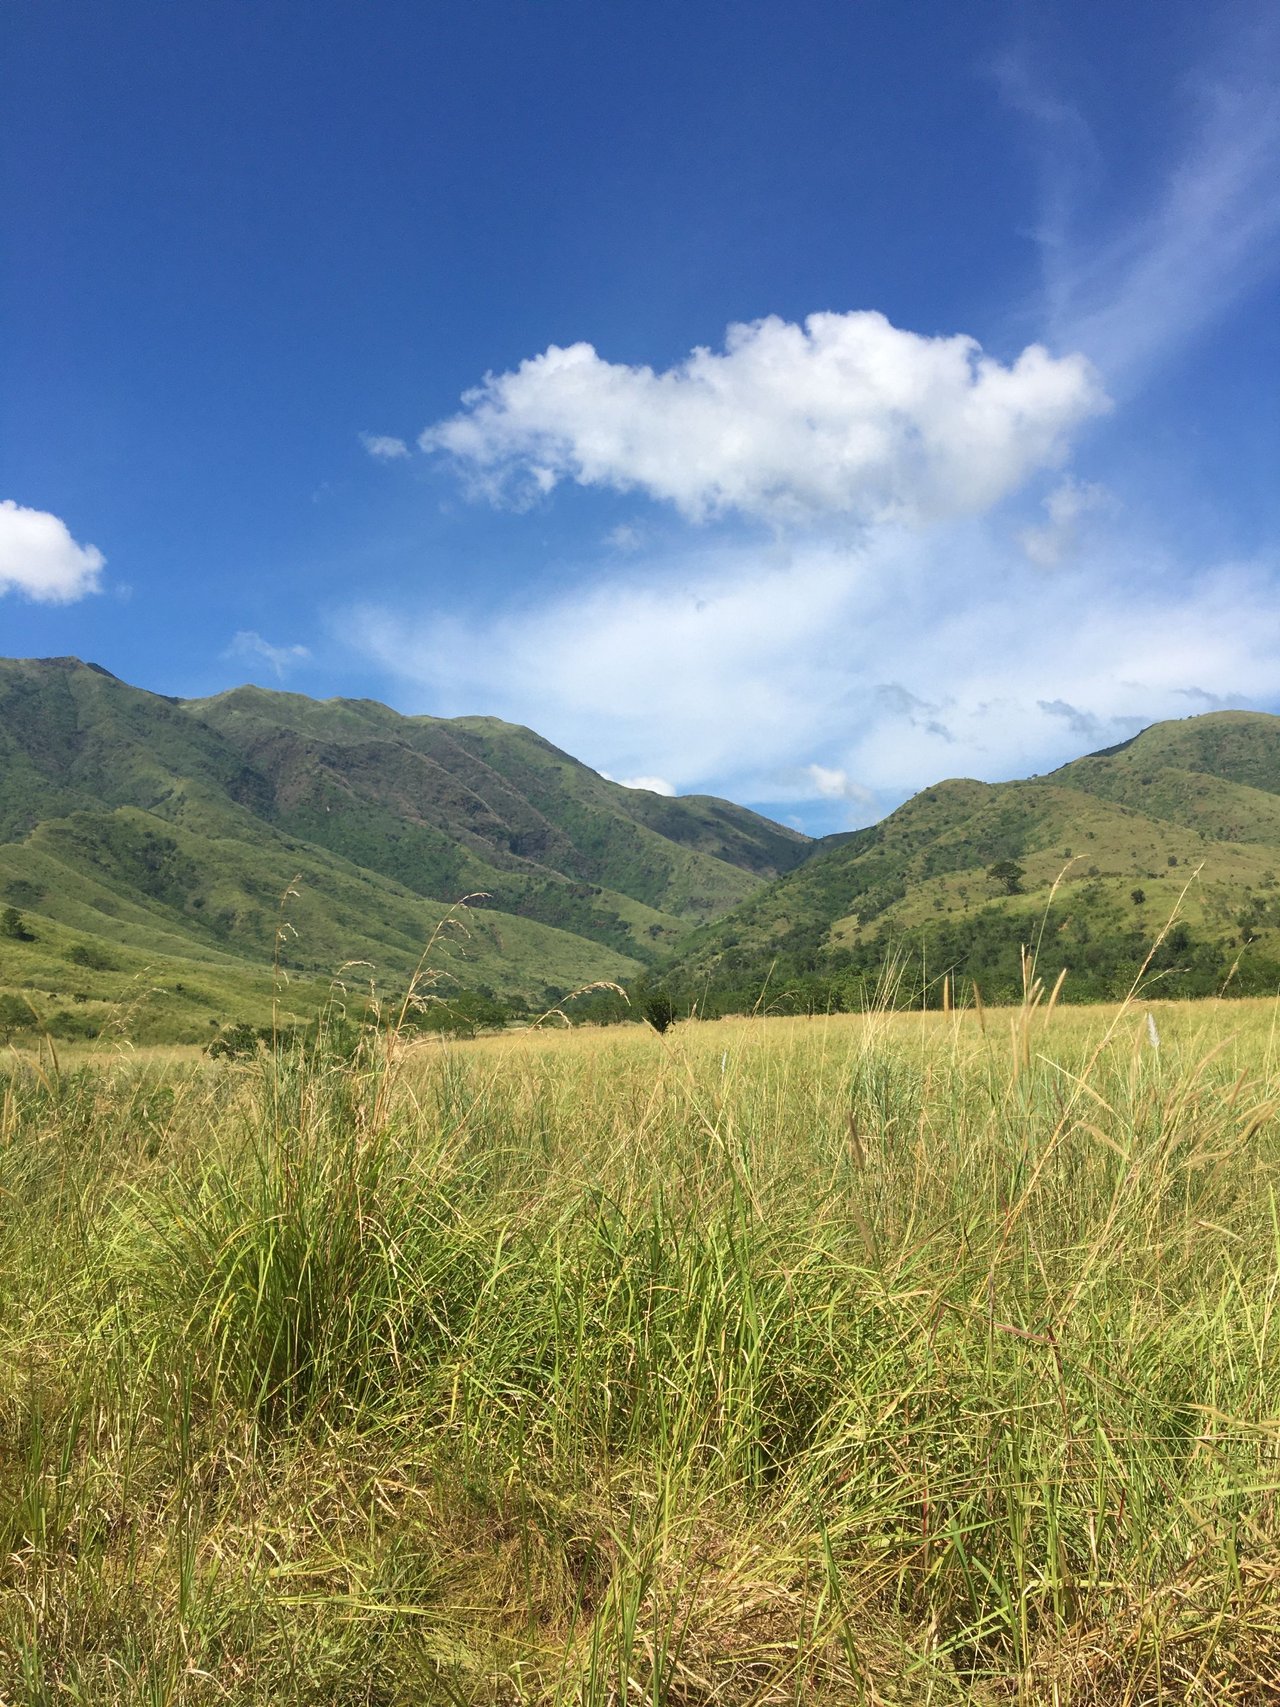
660	1011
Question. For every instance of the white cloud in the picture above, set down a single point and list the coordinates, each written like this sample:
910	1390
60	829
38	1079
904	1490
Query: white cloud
1213	234
39	558
690	643
652	784
249	644
892	664
829	782
1068	161
626	537
819	670
1130	297
1066	507
844	415
383	447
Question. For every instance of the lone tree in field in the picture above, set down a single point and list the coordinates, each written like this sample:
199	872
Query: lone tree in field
659	1010
1008	872
14	926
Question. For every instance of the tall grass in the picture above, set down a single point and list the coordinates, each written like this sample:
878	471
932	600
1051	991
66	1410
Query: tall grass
921	1358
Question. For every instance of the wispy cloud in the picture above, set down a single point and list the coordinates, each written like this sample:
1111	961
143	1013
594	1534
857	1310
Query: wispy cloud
829	782
1130	297
887	665
249	644
1067	509
1088	726
845	415
1067	161
625	537
652	784
383	447
40	560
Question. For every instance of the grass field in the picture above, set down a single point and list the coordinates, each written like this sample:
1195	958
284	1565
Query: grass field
891	1358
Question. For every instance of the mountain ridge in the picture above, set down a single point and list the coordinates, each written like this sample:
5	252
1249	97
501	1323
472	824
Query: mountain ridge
148	839
191	818
1102	845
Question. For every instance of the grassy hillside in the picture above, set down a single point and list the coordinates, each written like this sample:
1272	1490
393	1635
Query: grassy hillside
1186	816
73	737
117	908
154	840
476	802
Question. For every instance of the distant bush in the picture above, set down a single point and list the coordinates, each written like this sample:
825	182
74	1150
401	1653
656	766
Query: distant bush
24	892
90	955
460	1015
600	1007
14	926
15	1015
236	1043
63	1023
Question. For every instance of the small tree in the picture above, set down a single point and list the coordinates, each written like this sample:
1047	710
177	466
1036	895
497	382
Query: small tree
1137	896
15	1015
14	926
659	1010
1008	872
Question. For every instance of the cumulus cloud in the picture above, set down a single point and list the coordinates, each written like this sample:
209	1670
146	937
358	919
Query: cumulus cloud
40	559
846	674
250	644
383	447
845	415
715	669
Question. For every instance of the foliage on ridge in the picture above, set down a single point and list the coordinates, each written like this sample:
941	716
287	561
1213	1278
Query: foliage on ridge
1184	818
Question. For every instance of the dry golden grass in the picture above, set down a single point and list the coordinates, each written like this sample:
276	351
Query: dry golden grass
883	1358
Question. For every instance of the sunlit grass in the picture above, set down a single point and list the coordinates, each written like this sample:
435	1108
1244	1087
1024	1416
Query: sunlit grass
889	1358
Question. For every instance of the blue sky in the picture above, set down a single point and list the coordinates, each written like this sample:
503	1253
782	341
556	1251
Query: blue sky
801	404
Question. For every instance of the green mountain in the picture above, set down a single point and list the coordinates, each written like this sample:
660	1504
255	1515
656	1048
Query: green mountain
1092	861
168	867
176	864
